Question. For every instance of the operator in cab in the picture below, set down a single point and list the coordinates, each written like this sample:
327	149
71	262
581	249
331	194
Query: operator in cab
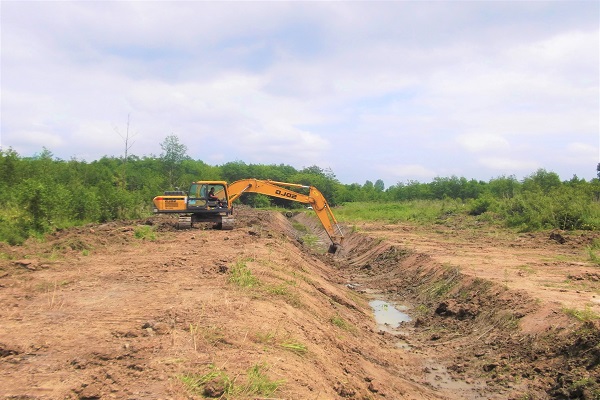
212	197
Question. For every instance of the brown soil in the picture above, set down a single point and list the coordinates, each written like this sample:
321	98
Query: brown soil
96	312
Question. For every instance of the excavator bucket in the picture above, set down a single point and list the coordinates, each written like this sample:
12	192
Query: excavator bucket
333	248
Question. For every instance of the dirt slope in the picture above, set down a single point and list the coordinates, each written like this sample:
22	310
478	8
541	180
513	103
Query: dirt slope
95	312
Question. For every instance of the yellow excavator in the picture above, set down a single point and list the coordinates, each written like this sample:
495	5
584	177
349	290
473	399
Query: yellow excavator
212	201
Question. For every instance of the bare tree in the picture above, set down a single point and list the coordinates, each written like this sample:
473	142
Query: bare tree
126	139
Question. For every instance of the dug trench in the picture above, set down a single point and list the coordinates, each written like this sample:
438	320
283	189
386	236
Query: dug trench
143	311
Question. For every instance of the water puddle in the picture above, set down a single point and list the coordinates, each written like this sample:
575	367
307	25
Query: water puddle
387	315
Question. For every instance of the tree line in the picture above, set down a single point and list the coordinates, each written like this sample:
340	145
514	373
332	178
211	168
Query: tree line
42	193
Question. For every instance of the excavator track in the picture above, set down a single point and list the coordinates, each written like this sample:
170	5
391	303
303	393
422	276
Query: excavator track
227	223
184	222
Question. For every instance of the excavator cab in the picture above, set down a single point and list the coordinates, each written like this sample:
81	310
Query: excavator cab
207	196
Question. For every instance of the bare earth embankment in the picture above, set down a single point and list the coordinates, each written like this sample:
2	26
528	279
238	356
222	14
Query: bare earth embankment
95	312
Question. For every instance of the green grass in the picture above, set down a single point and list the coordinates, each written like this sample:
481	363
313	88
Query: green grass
585	315
526	212
587	384
342	323
294	347
526	269
419	211
242	276
287	343
144	232
592	250
283	290
257	383
299	227
195	383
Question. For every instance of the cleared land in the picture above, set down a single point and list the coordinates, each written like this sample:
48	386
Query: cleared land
147	312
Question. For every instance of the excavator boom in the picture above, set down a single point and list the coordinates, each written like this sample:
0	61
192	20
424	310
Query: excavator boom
279	189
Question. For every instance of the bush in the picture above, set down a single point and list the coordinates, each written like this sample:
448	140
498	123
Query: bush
565	208
13	232
480	205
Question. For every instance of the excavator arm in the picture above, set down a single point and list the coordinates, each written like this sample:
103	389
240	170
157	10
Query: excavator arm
280	189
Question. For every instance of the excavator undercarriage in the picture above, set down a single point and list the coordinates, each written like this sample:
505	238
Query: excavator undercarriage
186	221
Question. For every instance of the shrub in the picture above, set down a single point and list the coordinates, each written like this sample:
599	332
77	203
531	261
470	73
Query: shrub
481	205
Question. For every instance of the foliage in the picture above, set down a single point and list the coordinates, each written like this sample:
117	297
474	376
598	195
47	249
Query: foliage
174	153
564	207
42	193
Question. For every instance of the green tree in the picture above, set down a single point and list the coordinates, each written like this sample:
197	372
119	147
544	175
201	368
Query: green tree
234	171
10	165
503	187
174	153
541	180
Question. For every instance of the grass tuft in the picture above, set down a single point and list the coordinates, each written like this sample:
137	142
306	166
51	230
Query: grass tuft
294	347
342	323
144	232
242	276
217	383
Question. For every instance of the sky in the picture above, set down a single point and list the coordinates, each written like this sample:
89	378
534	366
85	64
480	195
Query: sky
397	90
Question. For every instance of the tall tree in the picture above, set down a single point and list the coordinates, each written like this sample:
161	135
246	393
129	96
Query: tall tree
174	152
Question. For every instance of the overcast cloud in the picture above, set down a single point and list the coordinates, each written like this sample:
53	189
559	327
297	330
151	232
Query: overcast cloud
373	90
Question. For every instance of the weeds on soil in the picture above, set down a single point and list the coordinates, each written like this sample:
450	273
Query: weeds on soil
144	232
217	383
287	343
242	276
592	250
342	323
585	315
294	347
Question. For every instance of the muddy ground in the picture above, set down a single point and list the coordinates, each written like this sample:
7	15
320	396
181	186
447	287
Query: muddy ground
138	310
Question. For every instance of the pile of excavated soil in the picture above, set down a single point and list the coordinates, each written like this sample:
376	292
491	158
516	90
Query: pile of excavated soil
143	311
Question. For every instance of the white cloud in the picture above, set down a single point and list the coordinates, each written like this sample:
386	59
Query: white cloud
35	139
581	154
309	83
482	142
509	164
406	172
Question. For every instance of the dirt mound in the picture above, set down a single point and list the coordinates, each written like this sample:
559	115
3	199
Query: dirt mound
142	310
